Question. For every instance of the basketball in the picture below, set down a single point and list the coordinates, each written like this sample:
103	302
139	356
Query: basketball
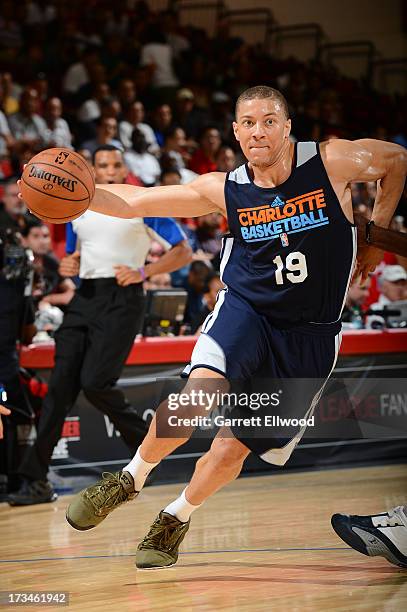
57	185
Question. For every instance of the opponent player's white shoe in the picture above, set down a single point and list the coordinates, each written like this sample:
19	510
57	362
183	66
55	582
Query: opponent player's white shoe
379	534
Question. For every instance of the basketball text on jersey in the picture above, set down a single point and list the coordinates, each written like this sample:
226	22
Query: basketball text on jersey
280	217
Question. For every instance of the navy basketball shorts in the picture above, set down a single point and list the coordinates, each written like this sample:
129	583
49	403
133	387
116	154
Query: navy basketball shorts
252	353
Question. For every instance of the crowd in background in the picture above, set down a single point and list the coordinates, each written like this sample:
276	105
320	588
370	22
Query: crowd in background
82	75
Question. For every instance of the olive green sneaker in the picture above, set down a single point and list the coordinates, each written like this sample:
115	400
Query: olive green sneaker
92	505
160	546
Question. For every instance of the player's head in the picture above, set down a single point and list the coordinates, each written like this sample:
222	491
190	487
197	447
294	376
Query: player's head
262	124
109	166
37	237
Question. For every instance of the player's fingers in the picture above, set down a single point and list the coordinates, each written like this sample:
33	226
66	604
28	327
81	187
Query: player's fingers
1	429
4	410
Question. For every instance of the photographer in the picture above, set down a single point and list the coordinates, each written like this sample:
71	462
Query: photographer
16	323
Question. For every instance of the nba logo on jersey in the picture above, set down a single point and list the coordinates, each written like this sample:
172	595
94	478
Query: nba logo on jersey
284	239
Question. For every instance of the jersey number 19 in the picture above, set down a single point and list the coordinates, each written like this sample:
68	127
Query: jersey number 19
296	266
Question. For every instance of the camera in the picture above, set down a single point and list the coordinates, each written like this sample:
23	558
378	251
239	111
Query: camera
16	262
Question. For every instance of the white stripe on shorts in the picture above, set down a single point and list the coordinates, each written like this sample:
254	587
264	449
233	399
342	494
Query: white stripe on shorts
280	456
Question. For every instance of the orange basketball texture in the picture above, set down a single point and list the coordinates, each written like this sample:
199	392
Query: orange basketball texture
57	185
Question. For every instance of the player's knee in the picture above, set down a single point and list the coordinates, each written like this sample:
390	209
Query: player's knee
227	453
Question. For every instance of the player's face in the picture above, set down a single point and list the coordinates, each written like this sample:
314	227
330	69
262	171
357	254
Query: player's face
262	129
109	168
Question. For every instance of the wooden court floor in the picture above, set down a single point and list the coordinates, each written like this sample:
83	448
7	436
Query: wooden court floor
262	543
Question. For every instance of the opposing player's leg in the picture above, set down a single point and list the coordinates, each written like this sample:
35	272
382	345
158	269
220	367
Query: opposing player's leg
383	535
219	466
92	505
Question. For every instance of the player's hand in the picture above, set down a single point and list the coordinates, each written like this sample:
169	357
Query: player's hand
5	411
69	265
367	258
126	276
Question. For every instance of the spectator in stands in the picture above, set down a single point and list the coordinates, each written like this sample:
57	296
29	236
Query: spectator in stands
6	139
59	134
393	287
112	58
187	115
222	115
48	285
106	135
195	286
392	282
213	286
176	148
134	118
225	159
91	108
126	93
161	121
352	316
99	325
204	158
77	74
170	28
171	176
111	108
27	127
208	234
156	56
12	209
158	281
140	162
11	94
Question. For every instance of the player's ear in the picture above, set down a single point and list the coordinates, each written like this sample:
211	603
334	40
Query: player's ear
236	130
287	128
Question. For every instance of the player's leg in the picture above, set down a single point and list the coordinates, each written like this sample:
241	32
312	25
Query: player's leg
383	535
219	466
92	505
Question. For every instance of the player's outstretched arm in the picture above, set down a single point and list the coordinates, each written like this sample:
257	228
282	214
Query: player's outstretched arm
203	195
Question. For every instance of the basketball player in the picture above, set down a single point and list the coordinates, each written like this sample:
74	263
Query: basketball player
287	266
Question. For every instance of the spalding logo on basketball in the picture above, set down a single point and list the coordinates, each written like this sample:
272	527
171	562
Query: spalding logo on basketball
58	185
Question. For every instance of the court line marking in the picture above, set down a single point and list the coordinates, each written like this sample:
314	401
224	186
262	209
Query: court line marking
199	552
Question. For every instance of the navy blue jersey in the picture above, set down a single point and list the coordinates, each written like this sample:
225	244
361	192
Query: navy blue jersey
291	249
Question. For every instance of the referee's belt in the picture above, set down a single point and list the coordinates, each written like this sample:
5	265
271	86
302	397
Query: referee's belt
97	286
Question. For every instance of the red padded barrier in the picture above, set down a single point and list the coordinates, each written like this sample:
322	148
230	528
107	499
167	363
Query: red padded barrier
147	351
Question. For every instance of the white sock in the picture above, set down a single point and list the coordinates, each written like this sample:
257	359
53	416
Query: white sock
139	469
181	508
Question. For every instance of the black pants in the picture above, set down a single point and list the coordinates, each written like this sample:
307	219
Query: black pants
91	348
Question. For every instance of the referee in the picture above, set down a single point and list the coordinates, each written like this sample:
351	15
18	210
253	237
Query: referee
100	323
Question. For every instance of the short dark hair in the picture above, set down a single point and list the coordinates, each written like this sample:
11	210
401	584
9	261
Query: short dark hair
106	147
262	92
170	132
170	170
31	224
